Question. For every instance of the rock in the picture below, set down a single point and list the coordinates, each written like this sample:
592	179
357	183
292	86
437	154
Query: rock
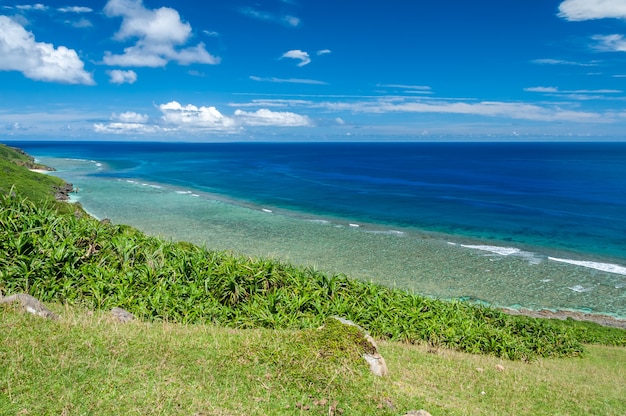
122	315
62	193
499	367
377	363
420	412
30	304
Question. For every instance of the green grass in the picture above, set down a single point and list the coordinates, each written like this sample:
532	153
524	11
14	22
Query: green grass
80	261
15	176
85	363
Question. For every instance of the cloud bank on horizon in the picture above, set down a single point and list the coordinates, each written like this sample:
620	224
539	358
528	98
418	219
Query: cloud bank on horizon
313	70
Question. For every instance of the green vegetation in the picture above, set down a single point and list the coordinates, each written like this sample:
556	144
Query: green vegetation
15	173
87	364
81	261
261	341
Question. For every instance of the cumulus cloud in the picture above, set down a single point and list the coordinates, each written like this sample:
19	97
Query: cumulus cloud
288	80
37	60
127	123
209	118
610	43
122	77
323	52
302	56
158	34
579	10
130	117
191	116
265	117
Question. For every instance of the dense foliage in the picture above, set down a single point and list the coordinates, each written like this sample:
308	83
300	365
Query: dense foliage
79	260
14	172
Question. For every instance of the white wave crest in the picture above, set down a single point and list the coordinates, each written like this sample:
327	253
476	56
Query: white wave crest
605	267
504	251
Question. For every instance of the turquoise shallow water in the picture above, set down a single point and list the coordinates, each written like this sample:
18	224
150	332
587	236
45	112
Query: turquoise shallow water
498	272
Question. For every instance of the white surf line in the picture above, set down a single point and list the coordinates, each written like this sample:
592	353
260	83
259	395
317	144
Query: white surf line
504	251
605	267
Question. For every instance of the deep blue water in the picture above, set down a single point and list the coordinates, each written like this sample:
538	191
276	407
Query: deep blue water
564	196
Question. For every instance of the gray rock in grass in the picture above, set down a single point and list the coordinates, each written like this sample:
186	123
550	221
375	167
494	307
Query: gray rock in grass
122	315
420	412
377	363
29	304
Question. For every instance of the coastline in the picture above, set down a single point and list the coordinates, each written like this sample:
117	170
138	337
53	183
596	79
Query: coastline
257	232
422	262
600	319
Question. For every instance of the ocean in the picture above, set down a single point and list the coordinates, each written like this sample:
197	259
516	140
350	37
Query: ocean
521	225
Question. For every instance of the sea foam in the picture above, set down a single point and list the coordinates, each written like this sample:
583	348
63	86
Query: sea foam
532	258
605	267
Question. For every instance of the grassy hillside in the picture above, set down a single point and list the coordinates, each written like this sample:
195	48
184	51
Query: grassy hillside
87	364
14	172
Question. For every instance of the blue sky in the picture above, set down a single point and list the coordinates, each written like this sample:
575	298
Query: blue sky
313	70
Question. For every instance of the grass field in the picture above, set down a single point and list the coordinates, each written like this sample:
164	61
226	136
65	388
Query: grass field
88	364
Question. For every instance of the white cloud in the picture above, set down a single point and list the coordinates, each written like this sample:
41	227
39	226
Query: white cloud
125	128
610	43
265	117
75	9
287	20
38	7
291	20
130	117
323	52
81	23
273	103
579	10
562	62
128	122
414	89
302	56
157	34
288	80
208	118
556	90
37	60
541	89
511	110
122	77
191	116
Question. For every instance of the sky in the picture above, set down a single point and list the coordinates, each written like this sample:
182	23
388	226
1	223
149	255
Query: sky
304	70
